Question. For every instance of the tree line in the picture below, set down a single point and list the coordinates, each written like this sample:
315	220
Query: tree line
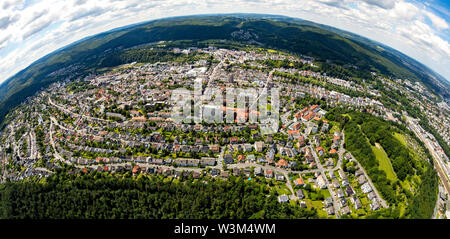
106	196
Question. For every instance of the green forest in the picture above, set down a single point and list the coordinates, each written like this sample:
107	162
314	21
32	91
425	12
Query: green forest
122	196
363	130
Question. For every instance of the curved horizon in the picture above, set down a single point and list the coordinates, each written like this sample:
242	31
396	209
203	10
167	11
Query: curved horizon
15	57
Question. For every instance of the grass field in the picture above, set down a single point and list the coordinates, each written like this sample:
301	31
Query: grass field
335	127
282	189
416	155
401	138
385	163
319	205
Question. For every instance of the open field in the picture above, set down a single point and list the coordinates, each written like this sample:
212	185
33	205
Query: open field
385	163
401	138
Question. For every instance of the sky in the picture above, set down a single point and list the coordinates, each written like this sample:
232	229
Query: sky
31	29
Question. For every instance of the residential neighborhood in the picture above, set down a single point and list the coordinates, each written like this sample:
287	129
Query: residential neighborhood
122	121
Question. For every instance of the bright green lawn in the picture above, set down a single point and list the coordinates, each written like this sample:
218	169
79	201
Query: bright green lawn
282	189
385	163
401	138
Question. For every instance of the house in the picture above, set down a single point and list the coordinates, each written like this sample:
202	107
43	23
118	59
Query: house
283	198
228	158
330	210
329	162
333	151
215	172
321	182
356	202
282	163
308	155
248	147
279	177
299	181
258	171
151	170
207	161
320	151
345	210
336	184
374	206
270	155
371	196
157	161
241	158
361	180
340	193
308	116
328	202
349	191
343	202
336	139
259	146
366	188
234	140
214	148
347	156
182	162
168	161
251	158
301	141
314	108
247	172
317	140
314	129
268	173
261	160
324	128
195	175
300	194
224	174
297	126
345	182
302	204
160	171
331	174
236	172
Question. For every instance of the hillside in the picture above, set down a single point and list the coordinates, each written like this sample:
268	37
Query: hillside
355	56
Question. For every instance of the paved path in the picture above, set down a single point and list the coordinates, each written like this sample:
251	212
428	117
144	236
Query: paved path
380	199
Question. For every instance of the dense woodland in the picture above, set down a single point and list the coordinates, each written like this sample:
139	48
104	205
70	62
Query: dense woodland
99	195
363	130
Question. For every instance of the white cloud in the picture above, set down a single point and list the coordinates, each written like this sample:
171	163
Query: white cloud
386	4
12	3
437	21
404	11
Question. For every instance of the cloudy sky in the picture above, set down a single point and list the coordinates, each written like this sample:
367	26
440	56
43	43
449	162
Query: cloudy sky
30	29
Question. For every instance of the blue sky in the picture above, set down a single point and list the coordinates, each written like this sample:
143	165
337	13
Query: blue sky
30	29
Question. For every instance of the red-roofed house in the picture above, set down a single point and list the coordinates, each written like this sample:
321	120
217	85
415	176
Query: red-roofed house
299	181
282	163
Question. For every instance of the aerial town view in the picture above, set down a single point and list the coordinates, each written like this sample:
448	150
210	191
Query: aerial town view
225	116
